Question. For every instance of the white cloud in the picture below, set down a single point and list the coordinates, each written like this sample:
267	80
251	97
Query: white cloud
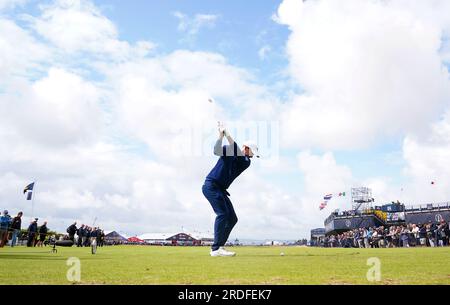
79	26
9	4
428	159
264	51
20	53
322	175
372	70
192	26
59	109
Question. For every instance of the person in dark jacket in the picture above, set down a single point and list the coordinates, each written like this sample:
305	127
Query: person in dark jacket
71	231
32	231
16	226
43	230
80	233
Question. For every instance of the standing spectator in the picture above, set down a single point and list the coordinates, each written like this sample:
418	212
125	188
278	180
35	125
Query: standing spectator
404	237
369	238
375	239
415	235
71	230
358	240
447	234
42	234
429	236
80	233
5	222
366	238
32	230
382	240
102	238
16	225
440	234
423	235
433	233
88	236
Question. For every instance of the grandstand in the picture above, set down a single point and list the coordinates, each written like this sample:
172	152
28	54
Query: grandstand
365	215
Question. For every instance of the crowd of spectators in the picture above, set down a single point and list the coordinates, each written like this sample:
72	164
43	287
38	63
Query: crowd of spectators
38	235
11	231
85	234
411	235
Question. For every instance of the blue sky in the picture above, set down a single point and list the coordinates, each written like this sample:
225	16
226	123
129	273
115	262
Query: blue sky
360	92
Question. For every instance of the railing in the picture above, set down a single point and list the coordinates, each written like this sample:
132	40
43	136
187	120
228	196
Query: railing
428	207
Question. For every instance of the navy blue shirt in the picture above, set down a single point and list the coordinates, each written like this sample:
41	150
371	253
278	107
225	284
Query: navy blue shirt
230	165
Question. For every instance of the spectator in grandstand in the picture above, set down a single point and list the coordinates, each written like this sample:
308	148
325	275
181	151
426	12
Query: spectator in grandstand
32	231
5	223
16	225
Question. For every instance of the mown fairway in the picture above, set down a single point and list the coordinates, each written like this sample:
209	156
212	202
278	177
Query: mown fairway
252	265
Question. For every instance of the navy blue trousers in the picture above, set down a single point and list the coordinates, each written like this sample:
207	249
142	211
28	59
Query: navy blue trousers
226	218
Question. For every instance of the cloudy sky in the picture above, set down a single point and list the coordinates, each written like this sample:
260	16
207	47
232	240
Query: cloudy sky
105	105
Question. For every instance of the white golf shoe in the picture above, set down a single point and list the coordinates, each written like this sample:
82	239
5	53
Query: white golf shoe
222	252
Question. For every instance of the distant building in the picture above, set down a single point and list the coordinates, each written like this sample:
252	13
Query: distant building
177	239
114	238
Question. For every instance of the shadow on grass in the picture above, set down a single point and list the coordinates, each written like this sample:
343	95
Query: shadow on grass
44	256
300	255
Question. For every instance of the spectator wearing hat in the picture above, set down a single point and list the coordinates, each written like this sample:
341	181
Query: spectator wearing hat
32	231
15	227
5	223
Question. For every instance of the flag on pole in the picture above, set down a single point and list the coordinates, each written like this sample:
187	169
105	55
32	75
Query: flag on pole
328	197
323	205
29	191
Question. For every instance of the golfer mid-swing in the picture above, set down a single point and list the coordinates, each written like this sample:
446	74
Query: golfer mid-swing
231	164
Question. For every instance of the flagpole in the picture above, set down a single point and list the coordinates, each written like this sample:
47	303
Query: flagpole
32	200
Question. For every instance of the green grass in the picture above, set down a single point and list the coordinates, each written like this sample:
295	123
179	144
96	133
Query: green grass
252	265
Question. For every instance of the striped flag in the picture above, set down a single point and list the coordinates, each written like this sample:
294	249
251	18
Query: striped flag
328	197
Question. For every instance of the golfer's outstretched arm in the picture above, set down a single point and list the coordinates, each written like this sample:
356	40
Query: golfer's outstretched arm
219	150
218	146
